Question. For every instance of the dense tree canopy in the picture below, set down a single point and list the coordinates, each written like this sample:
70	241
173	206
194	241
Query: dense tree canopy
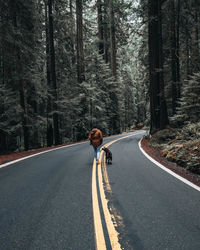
67	66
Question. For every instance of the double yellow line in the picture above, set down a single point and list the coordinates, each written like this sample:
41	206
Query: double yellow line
109	218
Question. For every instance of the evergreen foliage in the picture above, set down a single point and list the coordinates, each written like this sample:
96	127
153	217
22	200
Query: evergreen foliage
57	83
189	109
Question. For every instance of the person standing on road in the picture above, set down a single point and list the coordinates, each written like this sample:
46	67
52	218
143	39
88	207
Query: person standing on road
96	139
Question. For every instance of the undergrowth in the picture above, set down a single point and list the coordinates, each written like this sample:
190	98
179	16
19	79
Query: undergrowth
180	145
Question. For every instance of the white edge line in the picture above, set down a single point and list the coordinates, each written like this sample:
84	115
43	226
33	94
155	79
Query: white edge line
168	170
43	152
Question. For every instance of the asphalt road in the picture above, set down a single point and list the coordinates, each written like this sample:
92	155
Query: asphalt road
46	201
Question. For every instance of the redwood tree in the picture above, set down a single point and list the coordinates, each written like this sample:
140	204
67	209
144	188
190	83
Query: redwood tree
53	73
158	109
113	62
80	53
100	26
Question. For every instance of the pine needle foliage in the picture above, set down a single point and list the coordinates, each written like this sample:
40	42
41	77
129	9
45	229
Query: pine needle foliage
189	109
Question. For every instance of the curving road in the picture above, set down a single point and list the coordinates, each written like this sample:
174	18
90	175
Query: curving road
47	202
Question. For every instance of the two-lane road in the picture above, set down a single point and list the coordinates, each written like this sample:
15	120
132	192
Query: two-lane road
159	211
46	201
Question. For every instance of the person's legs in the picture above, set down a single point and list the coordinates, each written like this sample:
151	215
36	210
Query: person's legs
95	152
98	152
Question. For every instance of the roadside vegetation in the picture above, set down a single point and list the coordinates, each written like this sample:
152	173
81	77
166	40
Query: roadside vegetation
179	145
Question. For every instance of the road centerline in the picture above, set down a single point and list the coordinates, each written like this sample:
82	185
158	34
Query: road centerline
109	218
99	235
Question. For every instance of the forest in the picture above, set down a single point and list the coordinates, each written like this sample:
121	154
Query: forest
67	66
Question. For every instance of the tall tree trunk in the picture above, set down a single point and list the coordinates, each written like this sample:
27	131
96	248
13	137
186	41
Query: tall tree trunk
153	64
100	26
113	62
22	90
49	134
163	106
53	74
159	117
4	73
80	53
194	37
82	124
177	50
105	31
72	34
23	102
187	51
115	121
173	56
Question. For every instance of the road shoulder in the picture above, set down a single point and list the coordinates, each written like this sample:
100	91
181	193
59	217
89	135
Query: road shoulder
156	155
